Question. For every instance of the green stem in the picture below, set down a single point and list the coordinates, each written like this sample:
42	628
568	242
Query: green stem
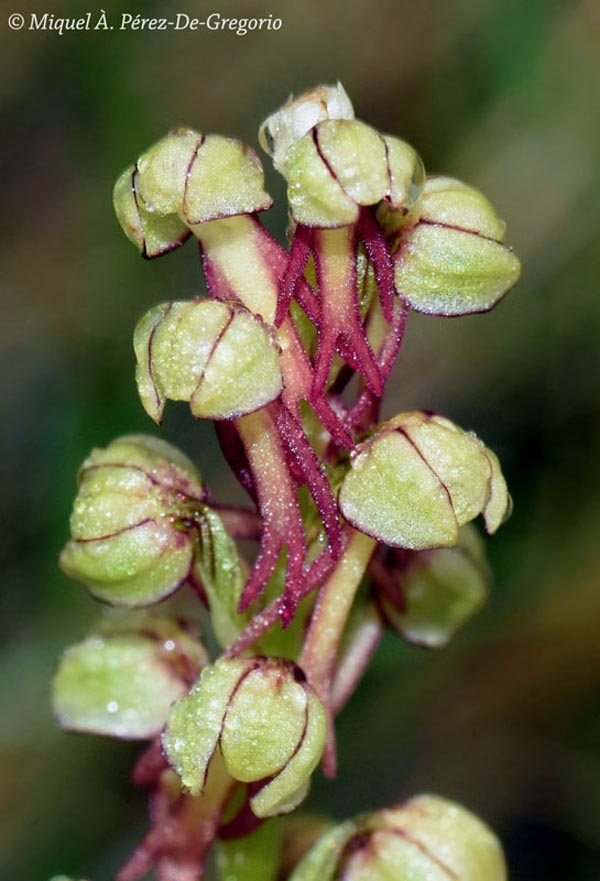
328	622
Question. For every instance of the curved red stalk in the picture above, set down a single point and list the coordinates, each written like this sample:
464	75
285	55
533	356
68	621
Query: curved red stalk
338	317
378	252
263	621
300	251
335	259
366	407
308	463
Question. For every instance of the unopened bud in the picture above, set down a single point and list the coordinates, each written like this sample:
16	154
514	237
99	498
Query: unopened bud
122	679
263	718
298	116
200	178
449	253
133	520
341	165
418	479
218	356
426	839
431	594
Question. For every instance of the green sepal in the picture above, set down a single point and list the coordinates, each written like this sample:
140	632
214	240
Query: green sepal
200	178
122	679
224	180
265	721
314	195
450	272
132	539
343	164
426	839
153	234
449	254
218	356
194	725
322	861
442	589
418	479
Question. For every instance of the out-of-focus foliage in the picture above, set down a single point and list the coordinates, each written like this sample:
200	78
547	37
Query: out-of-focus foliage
499	93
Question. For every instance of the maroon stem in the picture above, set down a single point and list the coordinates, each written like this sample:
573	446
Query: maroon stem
366	409
378	252
335	257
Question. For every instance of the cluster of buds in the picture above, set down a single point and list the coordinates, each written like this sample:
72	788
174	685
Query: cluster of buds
339	499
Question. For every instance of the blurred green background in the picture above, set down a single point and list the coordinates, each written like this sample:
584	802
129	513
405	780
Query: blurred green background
503	94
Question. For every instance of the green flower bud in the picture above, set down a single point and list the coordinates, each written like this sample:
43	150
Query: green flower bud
341	165
420	478
264	719
200	178
426	839
153	234
298	116
218	356
132	522
449	257
122	679
437	590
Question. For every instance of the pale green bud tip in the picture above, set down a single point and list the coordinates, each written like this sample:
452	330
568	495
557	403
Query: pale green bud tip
132	526
122	679
426	839
449	253
153	234
198	178
342	165
420	478
298	116
218	356
265	720
440	589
